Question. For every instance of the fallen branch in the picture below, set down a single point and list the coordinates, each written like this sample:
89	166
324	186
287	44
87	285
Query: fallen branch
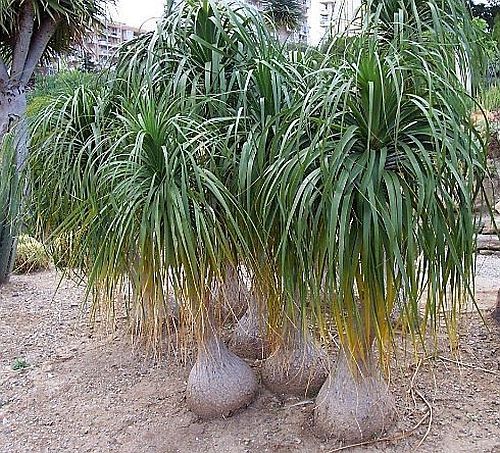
467	365
430	414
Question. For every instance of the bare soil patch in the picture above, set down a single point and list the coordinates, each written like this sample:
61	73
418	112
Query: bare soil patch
83	392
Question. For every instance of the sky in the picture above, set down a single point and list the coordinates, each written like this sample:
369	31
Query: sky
137	12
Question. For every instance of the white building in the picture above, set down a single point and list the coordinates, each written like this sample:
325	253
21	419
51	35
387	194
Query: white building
322	15
102	46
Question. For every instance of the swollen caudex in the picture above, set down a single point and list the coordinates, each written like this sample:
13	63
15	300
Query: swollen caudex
233	295
354	403
220	382
249	336
297	367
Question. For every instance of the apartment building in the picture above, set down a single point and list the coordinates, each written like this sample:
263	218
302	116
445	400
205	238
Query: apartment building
101	47
323	16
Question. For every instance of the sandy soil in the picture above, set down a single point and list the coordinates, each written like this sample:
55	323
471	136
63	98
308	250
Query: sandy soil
83	392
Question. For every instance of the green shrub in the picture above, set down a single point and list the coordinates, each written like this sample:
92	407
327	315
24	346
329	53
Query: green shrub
48	88
20	364
60	83
490	98
31	256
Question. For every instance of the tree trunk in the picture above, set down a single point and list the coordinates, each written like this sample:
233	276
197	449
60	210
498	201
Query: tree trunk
233	296
249	336
13	121
283	34
496	311
220	383
297	367
354	403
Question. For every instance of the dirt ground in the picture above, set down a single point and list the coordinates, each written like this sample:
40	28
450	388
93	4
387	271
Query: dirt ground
80	392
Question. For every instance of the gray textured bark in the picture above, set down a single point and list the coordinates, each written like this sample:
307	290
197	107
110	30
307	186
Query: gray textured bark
12	119
220	383
496	311
38	45
30	44
249	336
297	367
7	247
233	296
283	34
21	49
4	74
354	404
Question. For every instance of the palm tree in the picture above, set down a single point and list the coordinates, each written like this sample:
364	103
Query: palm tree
374	187
286	15
340	180
31	31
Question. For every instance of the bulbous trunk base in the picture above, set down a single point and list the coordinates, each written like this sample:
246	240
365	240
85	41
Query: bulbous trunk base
220	383
353	409
248	338
234	295
298	368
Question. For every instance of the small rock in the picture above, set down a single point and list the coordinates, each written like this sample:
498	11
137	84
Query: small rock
47	367
196	429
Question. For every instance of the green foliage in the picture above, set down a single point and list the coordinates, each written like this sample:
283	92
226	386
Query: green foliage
61	83
490	42
342	179
47	88
20	364
31	256
490	98
486	11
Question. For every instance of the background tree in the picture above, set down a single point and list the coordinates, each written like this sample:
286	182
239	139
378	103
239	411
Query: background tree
286	16
30	31
487	11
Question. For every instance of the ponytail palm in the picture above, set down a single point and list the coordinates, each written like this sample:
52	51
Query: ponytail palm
342	181
374	190
156	209
285	15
